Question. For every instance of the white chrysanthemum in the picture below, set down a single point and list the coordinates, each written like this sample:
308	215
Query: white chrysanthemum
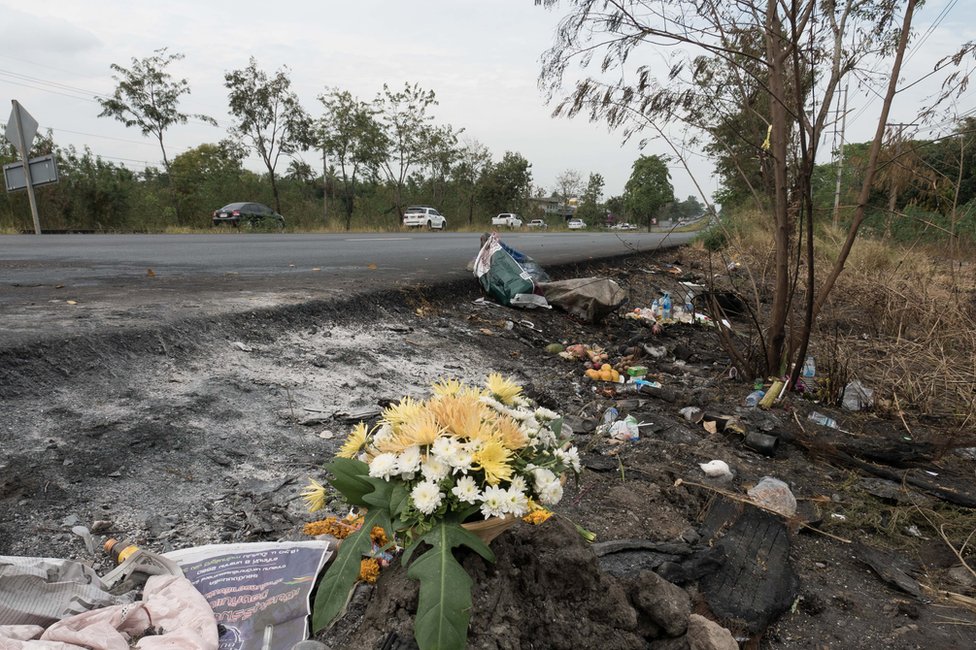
408	462
493	502
434	469
444	447
466	490
542	477
518	483
569	458
551	493
545	415
426	497
383	466
461	462
516	503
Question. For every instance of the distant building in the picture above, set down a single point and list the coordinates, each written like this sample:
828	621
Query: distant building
553	205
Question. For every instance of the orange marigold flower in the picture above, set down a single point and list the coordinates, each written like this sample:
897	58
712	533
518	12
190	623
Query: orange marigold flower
369	570
536	517
378	536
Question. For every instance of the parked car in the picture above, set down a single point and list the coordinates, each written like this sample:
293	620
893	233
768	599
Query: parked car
507	219
422	216
247	214
576	224
623	226
538	223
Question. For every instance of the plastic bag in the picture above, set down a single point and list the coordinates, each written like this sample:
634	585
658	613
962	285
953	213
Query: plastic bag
501	277
857	396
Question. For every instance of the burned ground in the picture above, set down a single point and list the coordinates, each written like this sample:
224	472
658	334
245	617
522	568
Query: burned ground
205	431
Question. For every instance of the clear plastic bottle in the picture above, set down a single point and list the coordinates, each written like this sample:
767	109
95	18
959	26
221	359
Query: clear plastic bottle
809	368
666	306
753	398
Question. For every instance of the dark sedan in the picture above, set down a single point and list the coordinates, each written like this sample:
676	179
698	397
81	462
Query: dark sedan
248	214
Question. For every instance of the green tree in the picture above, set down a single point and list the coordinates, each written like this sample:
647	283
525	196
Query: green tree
407	130
146	96
589	209
474	160
505	186
648	189
207	177
269	118
350	133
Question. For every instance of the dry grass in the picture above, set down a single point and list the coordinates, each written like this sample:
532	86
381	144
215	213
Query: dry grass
901	319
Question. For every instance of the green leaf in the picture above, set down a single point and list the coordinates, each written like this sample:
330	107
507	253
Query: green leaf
351	478
380	495
334	590
445	589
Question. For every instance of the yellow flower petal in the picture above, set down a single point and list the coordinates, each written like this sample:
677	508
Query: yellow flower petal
314	495
354	443
503	389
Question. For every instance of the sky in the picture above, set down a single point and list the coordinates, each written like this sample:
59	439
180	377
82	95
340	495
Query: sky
482	58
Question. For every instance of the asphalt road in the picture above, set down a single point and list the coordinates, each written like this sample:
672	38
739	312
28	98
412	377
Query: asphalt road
60	285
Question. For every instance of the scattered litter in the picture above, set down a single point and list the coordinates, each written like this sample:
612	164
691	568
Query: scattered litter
716	469
242	347
775	495
914	532
71	302
656	351
500	275
691	413
838	516
326	434
764	443
589	299
85	535
823	420
857	396
529	301
626	430
753	398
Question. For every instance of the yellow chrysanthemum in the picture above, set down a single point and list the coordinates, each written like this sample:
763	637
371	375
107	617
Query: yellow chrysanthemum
421	430
503	389
492	458
460	415
511	433
314	495
447	387
354	443
404	411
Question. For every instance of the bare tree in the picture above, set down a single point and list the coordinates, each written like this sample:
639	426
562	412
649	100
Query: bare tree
779	61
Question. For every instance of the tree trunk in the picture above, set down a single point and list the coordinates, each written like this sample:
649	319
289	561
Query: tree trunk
776	54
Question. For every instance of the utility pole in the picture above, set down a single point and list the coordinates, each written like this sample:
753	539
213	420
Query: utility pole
840	161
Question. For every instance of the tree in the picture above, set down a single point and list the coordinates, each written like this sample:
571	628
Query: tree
589	205
648	189
350	133
803	51
505	186
146	96
207	176
474	160
407	130
569	184
270	120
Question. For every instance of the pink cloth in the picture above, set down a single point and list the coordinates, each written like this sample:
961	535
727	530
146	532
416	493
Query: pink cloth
170	603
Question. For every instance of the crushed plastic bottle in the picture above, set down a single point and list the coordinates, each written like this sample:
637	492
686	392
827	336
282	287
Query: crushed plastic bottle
809	368
752	399
823	420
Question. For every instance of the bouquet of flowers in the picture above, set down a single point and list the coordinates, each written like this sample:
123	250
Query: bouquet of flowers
465	454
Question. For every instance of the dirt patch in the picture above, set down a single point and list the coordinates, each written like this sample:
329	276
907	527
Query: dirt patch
205	430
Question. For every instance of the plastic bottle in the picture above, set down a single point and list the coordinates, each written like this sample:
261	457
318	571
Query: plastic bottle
666	306
609	417
656	308
809	368
120	551
823	420
752	399
690	303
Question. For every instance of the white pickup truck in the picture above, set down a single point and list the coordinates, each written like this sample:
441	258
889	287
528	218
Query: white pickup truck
508	220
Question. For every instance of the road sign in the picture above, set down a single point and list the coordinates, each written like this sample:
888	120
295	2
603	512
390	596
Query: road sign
43	171
26	126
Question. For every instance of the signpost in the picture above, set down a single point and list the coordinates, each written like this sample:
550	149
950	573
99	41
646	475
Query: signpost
21	130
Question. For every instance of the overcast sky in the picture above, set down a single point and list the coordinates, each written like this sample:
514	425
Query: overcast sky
482	58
